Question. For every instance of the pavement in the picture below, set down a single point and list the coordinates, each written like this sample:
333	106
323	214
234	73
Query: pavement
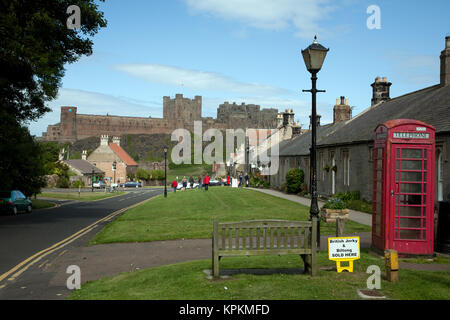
46	279
357	216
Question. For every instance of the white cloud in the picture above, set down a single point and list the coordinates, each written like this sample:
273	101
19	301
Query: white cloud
195	79
304	15
88	102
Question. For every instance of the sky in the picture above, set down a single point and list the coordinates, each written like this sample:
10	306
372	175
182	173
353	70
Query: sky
250	51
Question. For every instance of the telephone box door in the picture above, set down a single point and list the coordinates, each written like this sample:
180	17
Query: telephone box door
411	208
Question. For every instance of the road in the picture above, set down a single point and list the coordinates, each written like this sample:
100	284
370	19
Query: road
27	238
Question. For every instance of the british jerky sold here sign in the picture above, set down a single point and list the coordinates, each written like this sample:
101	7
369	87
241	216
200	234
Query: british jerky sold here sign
343	248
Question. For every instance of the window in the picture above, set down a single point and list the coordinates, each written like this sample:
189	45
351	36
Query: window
346	165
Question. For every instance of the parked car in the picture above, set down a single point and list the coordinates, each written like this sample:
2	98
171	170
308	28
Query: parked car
214	183
14	201
99	184
131	184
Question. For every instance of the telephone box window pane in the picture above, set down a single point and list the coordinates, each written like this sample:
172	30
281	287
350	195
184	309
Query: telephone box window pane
379	163
379	153
379	175
410	212
410	199
411	165
411	187
412	153
410	234
411	176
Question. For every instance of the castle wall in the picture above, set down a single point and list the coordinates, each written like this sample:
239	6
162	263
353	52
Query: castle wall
179	112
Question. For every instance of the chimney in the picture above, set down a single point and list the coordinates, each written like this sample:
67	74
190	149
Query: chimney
288	117
84	155
445	63
380	92
341	111
104	140
116	140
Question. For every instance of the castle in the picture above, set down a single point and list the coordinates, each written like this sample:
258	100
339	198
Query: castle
179	112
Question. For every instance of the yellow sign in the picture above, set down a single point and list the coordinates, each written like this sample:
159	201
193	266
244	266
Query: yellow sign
344	249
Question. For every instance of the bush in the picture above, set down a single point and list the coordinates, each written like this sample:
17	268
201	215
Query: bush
335	203
294	180
156	175
78	184
142	174
63	182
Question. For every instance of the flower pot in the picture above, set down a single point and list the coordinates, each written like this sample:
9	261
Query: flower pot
330	215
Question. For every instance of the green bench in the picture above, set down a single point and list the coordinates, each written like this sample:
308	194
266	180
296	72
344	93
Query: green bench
265	237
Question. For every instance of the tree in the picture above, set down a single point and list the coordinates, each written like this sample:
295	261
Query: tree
35	44
21	163
294	180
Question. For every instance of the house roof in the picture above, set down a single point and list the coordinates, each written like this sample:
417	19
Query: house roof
300	145
122	154
83	166
430	105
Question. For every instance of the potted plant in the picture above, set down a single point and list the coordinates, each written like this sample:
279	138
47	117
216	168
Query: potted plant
326	168
334	168
332	209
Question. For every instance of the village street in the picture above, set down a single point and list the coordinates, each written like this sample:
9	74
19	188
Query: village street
28	241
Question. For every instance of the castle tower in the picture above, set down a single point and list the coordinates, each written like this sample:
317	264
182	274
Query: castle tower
380	90
68	124
341	111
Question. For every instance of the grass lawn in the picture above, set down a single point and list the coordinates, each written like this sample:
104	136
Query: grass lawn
84	196
41	204
190	214
187	281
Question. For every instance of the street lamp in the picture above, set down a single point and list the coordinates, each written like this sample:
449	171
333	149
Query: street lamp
165	171
114	166
314	57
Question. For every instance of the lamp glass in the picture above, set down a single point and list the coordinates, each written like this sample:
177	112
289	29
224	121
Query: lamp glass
314	56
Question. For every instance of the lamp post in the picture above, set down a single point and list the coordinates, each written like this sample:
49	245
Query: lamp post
92	180
114	165
165	171
314	56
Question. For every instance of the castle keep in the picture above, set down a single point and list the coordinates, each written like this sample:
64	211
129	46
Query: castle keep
179	112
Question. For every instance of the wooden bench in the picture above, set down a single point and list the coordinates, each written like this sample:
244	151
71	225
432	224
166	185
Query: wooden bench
265	237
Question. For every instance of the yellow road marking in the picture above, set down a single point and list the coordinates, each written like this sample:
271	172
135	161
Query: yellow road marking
45	254
62	243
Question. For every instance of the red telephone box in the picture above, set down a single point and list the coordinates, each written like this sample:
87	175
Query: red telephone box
403	187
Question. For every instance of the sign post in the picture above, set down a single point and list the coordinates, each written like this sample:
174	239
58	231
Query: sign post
344	249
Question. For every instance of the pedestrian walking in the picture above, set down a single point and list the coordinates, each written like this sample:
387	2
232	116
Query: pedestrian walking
184	181
240	180
174	185
246	179
206	182
191	182
228	180
199	182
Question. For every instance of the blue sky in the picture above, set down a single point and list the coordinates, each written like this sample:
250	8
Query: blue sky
249	51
